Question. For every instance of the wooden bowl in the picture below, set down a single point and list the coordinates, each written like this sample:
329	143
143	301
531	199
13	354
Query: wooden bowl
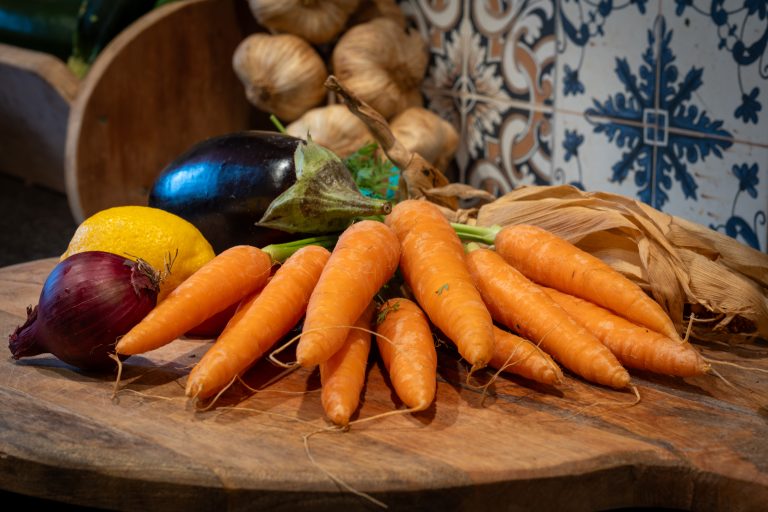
163	84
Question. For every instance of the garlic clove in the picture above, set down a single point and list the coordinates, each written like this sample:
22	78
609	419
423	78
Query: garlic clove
332	126
383	64
282	74
424	132
317	21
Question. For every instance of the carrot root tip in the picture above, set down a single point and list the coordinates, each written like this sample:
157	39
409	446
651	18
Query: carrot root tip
116	389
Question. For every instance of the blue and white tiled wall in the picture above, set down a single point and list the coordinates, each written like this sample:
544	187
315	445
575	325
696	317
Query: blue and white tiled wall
660	100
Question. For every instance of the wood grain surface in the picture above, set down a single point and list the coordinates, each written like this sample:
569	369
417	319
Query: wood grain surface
695	444
163	84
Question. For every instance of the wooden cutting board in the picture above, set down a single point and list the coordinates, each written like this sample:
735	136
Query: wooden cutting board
688	444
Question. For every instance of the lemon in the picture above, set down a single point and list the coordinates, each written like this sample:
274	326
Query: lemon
152	234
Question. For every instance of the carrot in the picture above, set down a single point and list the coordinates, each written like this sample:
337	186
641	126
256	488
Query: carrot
514	354
223	281
554	262
432	263
635	346
343	375
408	352
259	323
524	307
363	260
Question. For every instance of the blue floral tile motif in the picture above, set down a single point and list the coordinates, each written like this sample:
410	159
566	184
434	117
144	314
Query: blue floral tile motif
581	25
673	127
736	226
742	33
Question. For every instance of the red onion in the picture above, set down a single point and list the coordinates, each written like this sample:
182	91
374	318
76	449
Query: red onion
87	302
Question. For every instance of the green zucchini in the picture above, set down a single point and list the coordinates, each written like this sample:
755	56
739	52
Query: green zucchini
99	21
41	25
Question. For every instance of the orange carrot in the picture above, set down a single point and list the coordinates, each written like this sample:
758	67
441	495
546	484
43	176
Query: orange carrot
259	323
553	261
635	346
363	260
514	354
343	375
408	352
524	307
223	281
432	263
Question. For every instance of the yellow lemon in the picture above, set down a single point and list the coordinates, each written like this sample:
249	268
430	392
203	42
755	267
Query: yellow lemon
154	235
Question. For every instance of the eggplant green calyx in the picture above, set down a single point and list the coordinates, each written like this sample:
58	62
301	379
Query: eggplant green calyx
324	198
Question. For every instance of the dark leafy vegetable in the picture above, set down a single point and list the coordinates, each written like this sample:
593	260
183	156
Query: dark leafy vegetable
41	25
98	22
87	302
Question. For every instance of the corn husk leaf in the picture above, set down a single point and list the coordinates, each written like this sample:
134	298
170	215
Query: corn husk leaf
688	268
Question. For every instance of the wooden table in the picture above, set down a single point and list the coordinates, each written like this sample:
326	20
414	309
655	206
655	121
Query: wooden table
688	444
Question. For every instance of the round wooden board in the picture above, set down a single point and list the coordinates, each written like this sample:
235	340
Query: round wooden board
163	84
688	444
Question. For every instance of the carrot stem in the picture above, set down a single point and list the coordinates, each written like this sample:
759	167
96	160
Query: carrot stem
482	234
281	252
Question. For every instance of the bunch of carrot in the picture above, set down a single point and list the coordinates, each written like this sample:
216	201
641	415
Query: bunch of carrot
525	302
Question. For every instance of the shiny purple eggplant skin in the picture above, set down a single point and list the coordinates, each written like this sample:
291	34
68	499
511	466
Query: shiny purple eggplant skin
223	186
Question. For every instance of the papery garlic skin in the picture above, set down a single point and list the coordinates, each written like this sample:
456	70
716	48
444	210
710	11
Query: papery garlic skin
383	64
424	132
317	21
332	126
282	74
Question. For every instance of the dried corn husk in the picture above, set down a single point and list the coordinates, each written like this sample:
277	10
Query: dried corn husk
685	266
383	64
332	126
424	132
317	21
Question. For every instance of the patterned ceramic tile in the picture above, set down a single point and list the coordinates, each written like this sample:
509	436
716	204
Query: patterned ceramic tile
595	47
743	212
492	69
724	45
661	100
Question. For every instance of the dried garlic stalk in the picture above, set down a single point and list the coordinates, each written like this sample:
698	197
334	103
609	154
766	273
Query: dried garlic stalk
424	132
332	126
383	64
418	176
317	21
282	74
688	268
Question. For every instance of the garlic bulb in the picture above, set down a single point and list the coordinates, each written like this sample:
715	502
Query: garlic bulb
282	74
317	21
333	127
383	64
424	132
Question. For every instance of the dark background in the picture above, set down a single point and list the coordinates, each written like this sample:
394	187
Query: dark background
35	222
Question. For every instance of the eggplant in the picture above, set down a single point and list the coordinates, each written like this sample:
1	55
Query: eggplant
260	188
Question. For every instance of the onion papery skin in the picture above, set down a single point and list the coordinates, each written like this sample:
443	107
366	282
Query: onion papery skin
88	301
